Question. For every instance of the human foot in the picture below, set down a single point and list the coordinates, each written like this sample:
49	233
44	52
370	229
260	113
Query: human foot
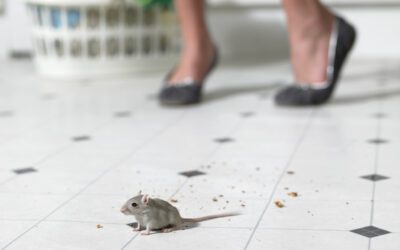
184	86
309	43
194	64
313	93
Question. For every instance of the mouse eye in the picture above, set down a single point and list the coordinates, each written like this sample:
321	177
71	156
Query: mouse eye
134	204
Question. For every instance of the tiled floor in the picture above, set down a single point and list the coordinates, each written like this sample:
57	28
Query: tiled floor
72	152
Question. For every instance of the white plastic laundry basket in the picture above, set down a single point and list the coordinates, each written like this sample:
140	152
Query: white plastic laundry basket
89	38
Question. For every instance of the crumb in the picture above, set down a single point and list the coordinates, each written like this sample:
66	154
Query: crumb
221	195
227	201
279	204
242	205
290	172
347	203
233	187
286	188
243	192
317	191
191	185
257	169
215	199
99	226
293	194
223	208
173	200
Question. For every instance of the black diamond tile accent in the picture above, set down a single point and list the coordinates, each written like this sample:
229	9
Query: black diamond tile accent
370	231
379	115
6	113
24	170
374	177
122	114
192	173
81	138
246	114
378	141
224	140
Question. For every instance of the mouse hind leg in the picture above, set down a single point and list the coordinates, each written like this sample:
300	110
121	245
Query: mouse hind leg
169	229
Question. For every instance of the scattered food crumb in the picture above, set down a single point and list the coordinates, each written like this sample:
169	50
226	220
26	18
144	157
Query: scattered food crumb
233	187
243	192
223	208
290	172
257	169
317	191
227	201
221	195
215	199
347	203
286	188
99	226
243	205
279	204
173	200
293	194
191	185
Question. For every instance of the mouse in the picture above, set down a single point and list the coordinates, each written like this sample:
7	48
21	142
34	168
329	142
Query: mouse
155	214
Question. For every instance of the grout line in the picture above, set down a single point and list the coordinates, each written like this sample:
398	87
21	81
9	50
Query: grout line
200	226
8	180
168	125
130	240
376	164
297	146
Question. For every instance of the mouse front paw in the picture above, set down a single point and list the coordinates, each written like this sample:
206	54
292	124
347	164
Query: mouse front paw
145	232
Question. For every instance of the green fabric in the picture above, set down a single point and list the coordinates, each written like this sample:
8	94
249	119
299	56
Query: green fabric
151	3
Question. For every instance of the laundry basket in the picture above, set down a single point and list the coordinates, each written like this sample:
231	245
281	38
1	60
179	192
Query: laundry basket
92	38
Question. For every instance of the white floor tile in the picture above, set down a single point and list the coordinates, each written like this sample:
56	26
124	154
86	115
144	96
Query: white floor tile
306	239
128	142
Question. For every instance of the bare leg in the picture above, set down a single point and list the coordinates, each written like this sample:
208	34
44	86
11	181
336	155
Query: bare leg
310	25
198	48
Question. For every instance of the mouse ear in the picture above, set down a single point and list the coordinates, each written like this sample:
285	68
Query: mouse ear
145	199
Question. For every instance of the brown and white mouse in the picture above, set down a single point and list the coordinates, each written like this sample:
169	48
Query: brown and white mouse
158	214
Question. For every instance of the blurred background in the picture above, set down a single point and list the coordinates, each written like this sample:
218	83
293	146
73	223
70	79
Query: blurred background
236	24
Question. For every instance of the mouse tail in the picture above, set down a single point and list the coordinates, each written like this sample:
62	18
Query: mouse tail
210	217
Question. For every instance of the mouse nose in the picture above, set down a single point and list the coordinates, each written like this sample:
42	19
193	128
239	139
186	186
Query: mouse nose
123	209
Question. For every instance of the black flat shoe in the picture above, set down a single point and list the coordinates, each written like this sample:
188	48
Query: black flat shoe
341	41
185	92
